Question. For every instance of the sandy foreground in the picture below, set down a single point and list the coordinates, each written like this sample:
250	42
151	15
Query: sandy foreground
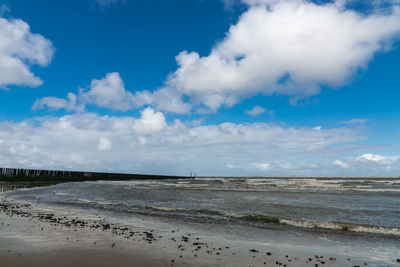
31	237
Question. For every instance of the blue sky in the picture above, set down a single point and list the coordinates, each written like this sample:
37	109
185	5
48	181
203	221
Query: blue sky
240	87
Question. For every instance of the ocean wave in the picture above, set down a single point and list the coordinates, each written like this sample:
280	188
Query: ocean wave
343	226
178	212
267	184
322	224
298	223
165	208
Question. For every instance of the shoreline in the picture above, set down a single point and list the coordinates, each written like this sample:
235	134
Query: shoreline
33	234
40	237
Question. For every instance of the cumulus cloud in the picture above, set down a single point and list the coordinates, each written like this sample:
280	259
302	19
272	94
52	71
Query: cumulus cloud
108	92
162	99
374	163
287	47
339	3
149	144
366	164
379	159
104	144
257	110
149	122
261	166
19	49
54	103
341	163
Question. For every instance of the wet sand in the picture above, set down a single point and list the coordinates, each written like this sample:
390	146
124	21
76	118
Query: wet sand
82	257
30	237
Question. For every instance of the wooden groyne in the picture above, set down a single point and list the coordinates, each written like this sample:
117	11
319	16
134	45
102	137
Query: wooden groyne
28	175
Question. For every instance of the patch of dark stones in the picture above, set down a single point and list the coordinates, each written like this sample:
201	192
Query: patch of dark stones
184	242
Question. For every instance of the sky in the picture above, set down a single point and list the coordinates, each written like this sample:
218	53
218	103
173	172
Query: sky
216	87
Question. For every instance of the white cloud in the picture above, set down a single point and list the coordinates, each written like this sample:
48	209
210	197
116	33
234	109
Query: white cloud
108	92
341	163
54	103
290	47
369	164
197	122
257	110
261	166
354	121
338	3
149	145
19	49
364	165
104	144
50	102
162	99
379	159
149	122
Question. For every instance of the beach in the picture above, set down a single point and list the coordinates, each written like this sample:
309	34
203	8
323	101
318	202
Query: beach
35	232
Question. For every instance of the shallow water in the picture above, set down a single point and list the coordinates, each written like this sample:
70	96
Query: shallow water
363	206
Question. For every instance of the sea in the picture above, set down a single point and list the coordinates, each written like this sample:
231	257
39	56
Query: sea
360	206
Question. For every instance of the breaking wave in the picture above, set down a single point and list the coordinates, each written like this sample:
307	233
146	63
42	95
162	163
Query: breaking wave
254	218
